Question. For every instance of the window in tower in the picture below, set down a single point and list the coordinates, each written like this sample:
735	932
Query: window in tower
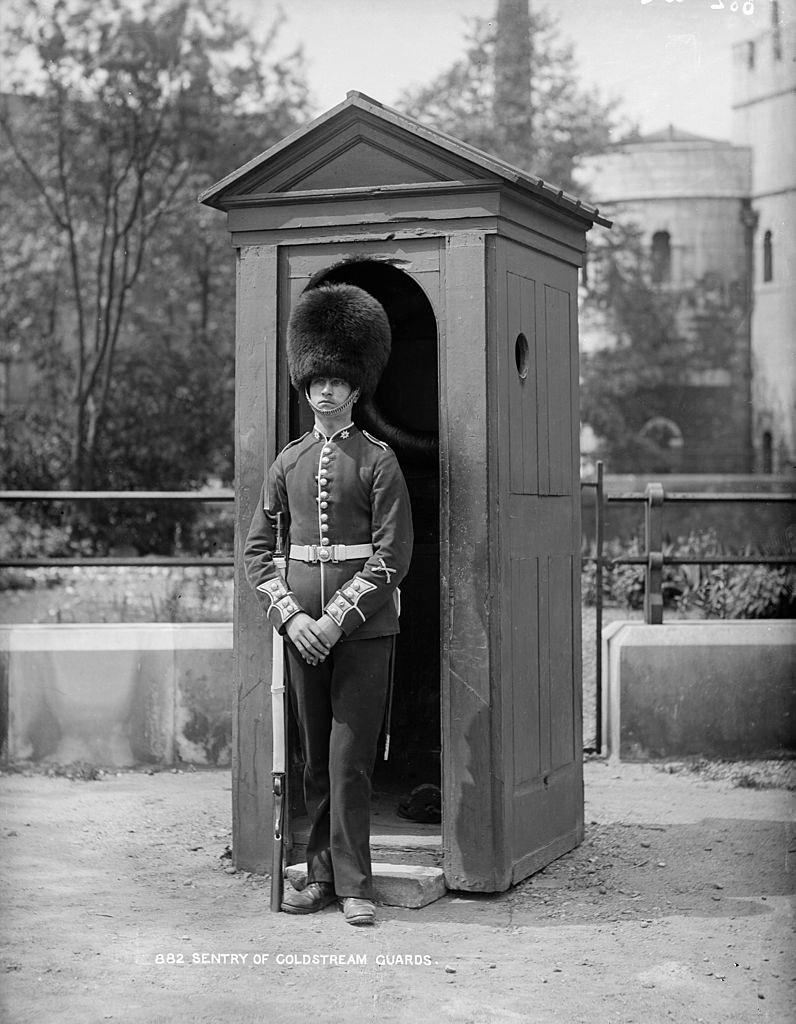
768	452
768	257
776	30
661	257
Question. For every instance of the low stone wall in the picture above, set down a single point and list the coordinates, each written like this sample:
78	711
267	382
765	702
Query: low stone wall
117	694
688	688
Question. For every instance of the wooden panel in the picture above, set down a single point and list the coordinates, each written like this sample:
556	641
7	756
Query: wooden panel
542	400
540	405
544	656
339	213
539	550
542	228
562	711
526	716
473	830
255	444
381	155
548	820
559	417
539	524
413	256
362	163
522	386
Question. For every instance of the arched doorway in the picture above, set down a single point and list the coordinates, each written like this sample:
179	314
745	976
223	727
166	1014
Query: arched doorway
405	413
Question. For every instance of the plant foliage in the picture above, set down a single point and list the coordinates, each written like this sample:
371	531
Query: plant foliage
565	122
709	591
118	301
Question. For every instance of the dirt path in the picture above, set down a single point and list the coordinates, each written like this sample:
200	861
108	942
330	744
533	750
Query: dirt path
117	907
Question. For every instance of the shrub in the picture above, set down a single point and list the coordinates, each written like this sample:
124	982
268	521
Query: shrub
623	585
32	538
741	592
716	591
212	532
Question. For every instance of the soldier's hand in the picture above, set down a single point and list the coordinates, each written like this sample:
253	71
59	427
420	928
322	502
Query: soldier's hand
329	629
309	641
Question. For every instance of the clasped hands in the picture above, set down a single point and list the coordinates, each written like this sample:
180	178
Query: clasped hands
313	638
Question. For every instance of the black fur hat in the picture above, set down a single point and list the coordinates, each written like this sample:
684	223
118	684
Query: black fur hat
338	330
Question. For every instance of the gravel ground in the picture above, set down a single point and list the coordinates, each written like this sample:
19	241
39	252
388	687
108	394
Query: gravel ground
120	904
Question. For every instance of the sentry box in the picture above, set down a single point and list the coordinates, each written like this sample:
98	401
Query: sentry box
476	264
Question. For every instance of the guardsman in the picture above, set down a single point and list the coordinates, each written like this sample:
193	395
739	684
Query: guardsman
347	514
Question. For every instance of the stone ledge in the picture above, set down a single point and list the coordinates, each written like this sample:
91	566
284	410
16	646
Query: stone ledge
713	688
116	694
395	885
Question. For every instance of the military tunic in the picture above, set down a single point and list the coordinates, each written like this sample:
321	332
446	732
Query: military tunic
338	493
344	491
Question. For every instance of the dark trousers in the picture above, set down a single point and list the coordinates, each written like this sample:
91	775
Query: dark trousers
339	705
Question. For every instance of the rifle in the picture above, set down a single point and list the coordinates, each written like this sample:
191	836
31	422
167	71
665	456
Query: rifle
278	727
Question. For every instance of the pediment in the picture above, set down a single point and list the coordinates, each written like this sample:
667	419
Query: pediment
359	158
363	145
350	150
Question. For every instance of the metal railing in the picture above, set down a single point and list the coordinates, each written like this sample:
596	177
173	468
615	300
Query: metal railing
653	559
221	495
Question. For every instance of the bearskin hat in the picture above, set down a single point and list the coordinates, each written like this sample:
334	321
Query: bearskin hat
338	330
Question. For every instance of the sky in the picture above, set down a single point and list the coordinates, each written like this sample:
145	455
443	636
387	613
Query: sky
668	61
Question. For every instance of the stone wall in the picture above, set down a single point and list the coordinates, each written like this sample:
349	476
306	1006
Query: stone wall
117	695
699	688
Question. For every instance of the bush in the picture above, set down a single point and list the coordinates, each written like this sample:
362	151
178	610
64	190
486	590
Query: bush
715	591
741	592
212	532
30	538
623	585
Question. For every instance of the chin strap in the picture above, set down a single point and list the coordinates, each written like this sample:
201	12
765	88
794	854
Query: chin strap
343	407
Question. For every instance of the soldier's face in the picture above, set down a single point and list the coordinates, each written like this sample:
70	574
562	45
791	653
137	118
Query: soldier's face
329	391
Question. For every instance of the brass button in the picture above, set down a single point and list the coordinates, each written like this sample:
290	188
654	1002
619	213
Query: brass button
324	540
323	481
324	527
324	495
324	504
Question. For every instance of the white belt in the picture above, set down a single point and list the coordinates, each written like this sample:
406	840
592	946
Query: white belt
330	553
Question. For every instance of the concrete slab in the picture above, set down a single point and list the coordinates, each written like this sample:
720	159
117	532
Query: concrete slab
116	694
699	688
395	885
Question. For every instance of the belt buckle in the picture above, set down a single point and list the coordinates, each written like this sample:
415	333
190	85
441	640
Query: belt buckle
324	554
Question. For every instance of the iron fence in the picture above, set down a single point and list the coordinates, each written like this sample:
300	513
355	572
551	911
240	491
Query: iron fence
219	495
653	559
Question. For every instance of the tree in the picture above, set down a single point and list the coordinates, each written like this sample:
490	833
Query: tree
120	112
513	100
646	345
517	97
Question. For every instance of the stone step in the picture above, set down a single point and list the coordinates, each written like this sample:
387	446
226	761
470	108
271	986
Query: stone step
395	885
394	847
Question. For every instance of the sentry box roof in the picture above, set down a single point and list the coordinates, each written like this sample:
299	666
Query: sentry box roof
361	148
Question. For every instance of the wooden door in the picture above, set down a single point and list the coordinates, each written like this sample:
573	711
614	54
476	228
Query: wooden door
537	389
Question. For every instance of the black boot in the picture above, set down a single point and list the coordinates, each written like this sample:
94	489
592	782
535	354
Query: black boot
314	896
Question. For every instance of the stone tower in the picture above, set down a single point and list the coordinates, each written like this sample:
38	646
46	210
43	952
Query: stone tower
690	197
764	111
